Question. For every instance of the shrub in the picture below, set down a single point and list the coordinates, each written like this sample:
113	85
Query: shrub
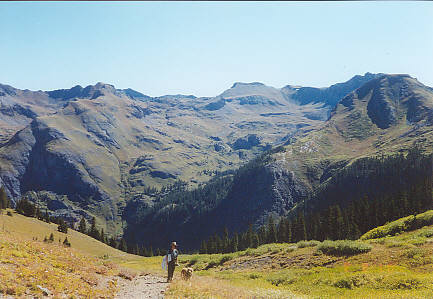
66	242
427	233
9	213
408	223
193	261
343	247
224	259
254	276
211	264
312	243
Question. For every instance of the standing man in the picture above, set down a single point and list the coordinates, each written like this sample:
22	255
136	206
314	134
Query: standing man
172	260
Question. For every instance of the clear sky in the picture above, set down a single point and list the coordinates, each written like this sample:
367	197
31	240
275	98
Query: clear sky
201	48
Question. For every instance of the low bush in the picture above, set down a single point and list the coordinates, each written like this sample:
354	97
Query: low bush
303	244
408	223
224	259
343	247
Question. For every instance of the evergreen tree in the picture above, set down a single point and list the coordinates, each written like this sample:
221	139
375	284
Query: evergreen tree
113	242
249	236
235	242
256	240
282	231
102	236
82	227
262	235
62	227
47	217
271	231
122	245
203	247
66	242
26	208
93	231
150	251
4	200
225	241
299	230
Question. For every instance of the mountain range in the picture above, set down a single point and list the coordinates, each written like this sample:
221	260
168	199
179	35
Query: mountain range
112	153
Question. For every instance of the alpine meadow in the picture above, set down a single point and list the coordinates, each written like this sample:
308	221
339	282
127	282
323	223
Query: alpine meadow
256	191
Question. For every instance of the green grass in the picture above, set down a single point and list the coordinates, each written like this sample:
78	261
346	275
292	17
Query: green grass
343	247
398	266
405	224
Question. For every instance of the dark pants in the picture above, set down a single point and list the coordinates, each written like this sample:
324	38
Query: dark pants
171	266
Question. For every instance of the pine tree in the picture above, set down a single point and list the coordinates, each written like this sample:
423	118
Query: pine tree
299	230
256	240
47	217
271	231
282	231
249	236
93	231
150	251
262	235
203	247
25	207
218	244
113	242
122	245
4	201
225	241
82	227
66	242
62	227
102	236
235	242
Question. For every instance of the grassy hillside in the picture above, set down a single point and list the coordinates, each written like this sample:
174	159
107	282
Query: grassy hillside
398	266
89	269
31	228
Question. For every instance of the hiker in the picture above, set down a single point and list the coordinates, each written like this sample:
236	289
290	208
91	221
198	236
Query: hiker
171	259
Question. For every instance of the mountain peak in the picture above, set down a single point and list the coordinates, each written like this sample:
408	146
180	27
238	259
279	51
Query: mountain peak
240	84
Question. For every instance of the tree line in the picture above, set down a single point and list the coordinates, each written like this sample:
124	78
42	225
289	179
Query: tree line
368	193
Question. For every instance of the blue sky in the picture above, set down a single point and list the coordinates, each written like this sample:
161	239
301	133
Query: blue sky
201	48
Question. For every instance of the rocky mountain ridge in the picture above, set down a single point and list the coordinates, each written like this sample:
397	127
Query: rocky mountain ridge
387	115
101	147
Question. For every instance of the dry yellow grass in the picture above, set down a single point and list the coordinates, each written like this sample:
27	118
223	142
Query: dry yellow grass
86	270
26	266
31	228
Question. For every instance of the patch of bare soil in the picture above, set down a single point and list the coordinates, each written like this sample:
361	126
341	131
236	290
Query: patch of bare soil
141	286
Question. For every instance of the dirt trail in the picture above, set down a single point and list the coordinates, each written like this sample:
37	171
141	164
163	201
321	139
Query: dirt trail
142	286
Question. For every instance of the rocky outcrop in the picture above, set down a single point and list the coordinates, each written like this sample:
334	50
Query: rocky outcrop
246	142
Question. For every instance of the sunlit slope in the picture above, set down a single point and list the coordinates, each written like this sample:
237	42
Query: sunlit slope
28	228
399	265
